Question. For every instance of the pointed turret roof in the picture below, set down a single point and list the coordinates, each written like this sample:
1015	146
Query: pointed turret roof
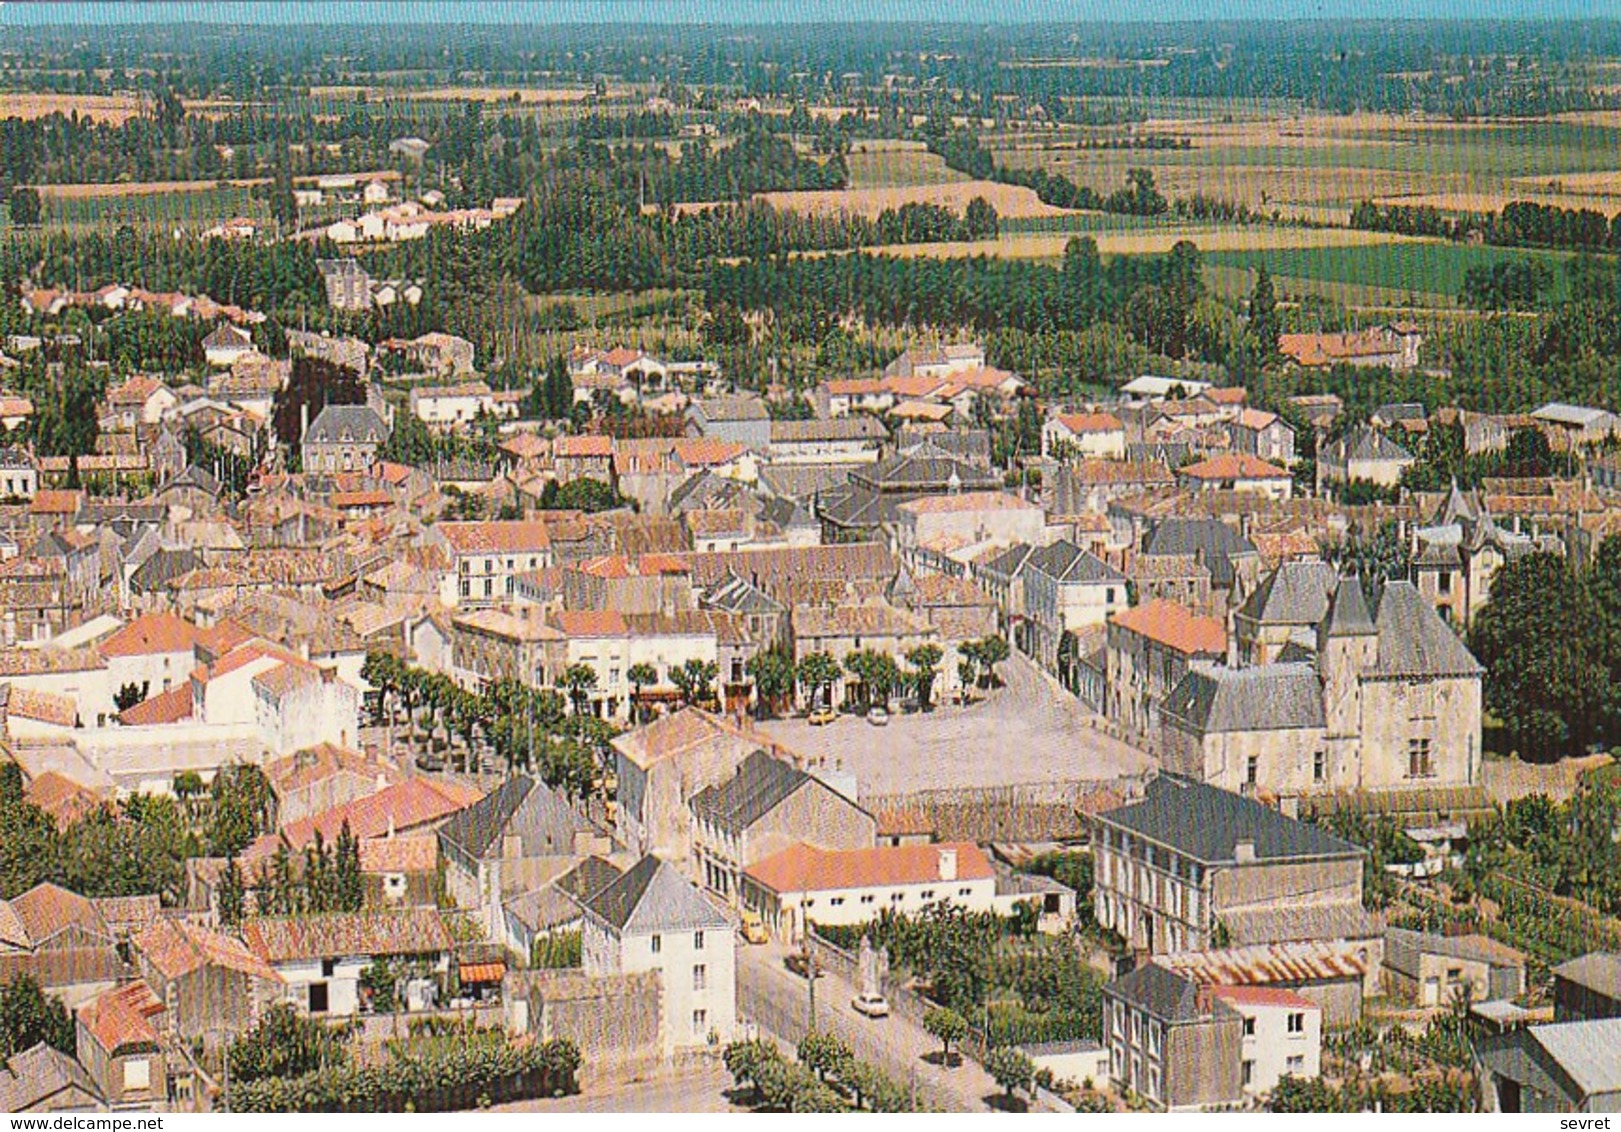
1348	614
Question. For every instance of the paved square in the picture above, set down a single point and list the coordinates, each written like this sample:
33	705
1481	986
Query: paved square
1028	731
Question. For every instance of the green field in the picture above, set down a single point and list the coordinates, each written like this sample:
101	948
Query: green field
890	167
1430	272
189	209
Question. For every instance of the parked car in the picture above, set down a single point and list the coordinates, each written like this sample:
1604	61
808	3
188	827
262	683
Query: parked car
878	717
754	929
872	1005
801	964
822	716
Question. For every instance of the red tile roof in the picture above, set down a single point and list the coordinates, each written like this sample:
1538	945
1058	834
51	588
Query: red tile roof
1175	626
583	446
53	502
122	1018
413	803
497	537
1090	422
47	910
151	634
1263	996
165	707
419	931
177	948
1233	466
1227	395
590	623
806	868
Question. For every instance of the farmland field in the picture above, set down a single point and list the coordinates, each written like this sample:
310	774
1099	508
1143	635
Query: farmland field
1010	200
1425	269
1155	241
1320	166
878	165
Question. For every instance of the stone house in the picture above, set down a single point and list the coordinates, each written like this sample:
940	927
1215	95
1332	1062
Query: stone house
320	958
210	984
1149	650
661	765
1363	454
1432	970
841	630
654	919
1563	1067
343	438
1176	1047
44	1079
120	1043
1066	589
1099	436
744	420
1286	608
511	840
763	809
1189	864
1268	436
19	474
1588	987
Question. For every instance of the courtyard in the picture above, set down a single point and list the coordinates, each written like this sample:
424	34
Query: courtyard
1027	731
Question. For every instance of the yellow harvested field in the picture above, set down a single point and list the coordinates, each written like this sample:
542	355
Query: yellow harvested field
1606	203
1010	200
527	95
1602	184
134	188
1209	238
113	108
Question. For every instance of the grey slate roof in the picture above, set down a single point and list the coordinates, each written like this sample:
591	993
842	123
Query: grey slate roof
925	468
704	489
1164	994
858	427
1366	443
653	897
1588	1052
1348	614
519	806
346	424
737	595
759	786
1403	949
1010	563
163	567
1206	824
1597	971
1296	593
1414	641
1213	542
1211	699
1066	562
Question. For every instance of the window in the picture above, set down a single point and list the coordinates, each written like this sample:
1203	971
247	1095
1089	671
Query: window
927	894
1153	1082
867	899
1252	770
700	977
1295	1064
328	966
1108	596
896	897
137	1075
810	902
965	892
836	901
1419	761
1443	581
1297	1023
1319	767
700	1023
1249	1027
1454	975
657	944
697	941
1249	1071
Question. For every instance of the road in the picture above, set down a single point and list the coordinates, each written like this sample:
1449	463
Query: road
702	1090
776	1001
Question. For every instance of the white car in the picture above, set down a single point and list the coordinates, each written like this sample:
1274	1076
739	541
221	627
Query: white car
878	717
872	1005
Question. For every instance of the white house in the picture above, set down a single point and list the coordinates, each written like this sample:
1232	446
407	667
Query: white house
851	886
1283	1035
654	919
1093	435
1236	471
444	407
488	555
226	344
320	958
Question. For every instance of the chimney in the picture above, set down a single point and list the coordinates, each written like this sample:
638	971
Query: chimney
948	864
1244	851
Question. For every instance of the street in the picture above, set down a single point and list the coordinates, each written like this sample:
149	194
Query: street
777	1002
703	1090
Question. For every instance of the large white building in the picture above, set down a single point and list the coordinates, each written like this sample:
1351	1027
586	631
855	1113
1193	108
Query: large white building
654	919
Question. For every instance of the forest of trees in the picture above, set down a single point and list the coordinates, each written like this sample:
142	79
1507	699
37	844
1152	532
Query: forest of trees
1520	224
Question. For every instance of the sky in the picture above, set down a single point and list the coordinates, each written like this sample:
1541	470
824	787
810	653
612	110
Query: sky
261	12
